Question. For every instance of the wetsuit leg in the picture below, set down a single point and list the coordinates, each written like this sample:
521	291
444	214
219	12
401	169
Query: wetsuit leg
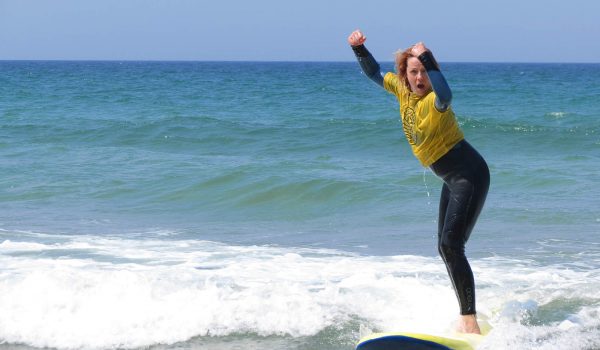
444	200
466	182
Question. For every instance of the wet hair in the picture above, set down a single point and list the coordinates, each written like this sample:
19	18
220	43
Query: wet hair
402	64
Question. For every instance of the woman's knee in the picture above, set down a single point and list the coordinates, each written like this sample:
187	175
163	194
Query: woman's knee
450	251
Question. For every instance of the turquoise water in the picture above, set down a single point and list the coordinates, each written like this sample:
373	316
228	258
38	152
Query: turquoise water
225	205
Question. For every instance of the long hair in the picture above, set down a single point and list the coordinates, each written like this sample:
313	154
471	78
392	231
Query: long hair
402	63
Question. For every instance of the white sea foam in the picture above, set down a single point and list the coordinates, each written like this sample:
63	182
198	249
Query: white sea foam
132	293
557	115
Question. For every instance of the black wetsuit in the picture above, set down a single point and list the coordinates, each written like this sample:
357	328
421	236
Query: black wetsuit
466	182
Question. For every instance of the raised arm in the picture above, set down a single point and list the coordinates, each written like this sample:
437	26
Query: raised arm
367	62
438	82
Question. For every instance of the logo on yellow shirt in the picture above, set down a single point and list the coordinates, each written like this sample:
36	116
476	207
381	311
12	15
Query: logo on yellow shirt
408	124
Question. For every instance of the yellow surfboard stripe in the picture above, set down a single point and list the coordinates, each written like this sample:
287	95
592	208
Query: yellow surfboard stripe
458	342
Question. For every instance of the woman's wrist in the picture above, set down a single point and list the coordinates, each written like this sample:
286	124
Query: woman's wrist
428	61
360	50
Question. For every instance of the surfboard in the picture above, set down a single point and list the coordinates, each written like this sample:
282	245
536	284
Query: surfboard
418	341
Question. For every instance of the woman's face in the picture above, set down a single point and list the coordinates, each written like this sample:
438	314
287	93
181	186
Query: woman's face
417	77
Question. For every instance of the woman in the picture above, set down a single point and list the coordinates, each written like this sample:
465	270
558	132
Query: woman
438	143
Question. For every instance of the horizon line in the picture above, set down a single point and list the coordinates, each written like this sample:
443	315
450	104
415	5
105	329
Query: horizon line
272	61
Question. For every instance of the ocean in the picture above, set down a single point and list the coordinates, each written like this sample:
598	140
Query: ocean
277	205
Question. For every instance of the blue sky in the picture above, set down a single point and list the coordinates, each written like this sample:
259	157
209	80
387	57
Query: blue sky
308	30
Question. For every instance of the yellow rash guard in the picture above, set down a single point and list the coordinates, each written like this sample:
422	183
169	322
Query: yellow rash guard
429	132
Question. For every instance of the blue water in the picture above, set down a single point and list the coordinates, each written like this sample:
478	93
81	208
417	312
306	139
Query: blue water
225	205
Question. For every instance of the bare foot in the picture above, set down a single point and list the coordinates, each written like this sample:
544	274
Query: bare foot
468	324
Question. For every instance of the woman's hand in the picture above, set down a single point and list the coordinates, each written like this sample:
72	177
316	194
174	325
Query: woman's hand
418	48
356	38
